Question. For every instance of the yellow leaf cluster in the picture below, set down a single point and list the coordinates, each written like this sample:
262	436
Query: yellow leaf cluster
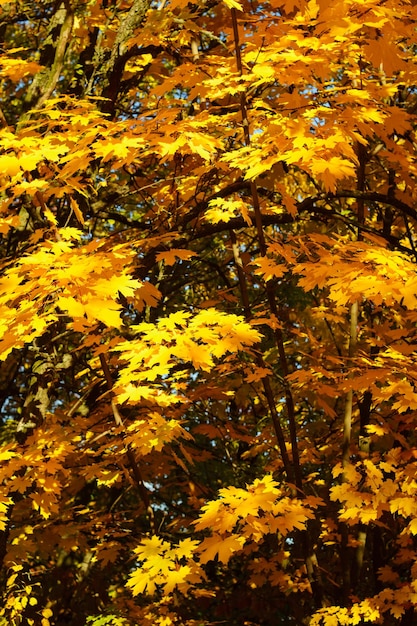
153	433
198	339
160	566
260	509
57	279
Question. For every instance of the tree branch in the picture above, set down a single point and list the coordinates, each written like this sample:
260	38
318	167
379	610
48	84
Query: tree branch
129	451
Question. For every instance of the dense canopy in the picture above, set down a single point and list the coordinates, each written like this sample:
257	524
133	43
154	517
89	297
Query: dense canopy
208	307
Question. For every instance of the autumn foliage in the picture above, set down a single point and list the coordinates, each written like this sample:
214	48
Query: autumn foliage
208	299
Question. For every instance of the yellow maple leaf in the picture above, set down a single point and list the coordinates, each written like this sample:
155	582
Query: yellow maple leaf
199	355
332	170
224	209
221	547
139	581
170	257
152	547
406	506
71	306
109	286
268	268
185	548
104	310
176	578
291	519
